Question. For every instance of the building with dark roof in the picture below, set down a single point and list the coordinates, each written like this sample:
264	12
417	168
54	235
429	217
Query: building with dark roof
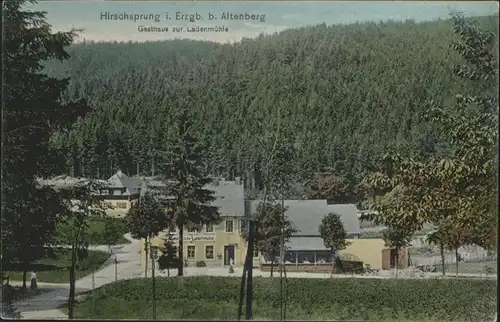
219	244
306	248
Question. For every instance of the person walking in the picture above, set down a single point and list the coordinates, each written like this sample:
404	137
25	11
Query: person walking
33	281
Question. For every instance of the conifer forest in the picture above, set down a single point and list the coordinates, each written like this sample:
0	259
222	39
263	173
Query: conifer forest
344	96
399	118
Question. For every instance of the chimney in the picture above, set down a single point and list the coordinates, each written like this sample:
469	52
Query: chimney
237	180
119	173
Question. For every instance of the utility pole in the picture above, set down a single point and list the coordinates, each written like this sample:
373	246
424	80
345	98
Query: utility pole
93	297
153	257
116	269
282	255
146	256
249	264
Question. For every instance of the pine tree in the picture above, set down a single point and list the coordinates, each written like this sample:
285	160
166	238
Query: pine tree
169	257
32	110
185	179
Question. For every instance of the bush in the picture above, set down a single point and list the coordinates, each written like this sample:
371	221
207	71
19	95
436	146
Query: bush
166	262
201	264
488	269
354	299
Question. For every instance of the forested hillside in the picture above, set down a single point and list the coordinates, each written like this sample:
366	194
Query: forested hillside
346	95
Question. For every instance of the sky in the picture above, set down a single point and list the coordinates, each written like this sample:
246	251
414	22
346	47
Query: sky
279	15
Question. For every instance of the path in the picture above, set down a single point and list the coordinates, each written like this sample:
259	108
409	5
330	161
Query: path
53	296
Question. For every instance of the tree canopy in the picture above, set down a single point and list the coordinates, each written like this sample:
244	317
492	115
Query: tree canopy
32	110
343	103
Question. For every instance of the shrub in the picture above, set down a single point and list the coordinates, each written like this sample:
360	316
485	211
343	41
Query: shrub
353	299
488	269
167	262
201	264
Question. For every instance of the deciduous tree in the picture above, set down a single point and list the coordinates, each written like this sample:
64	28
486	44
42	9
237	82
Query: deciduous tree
146	219
439	238
81	204
112	231
334	235
270	224
397	238
332	187
454	192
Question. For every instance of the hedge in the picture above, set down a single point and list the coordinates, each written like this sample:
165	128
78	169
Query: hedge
344	298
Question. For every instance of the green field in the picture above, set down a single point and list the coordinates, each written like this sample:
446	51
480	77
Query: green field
54	269
211	298
96	230
469	267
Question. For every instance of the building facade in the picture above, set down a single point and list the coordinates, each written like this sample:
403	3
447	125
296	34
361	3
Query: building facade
216	245
306	247
120	193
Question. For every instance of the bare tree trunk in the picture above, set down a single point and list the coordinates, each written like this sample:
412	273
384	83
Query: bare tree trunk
441	250
272	266
180	269
146	254
333	264
249	262
71	300
456	261
397	262
247	275
242	291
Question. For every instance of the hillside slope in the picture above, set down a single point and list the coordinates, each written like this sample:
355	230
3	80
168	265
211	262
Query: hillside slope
347	94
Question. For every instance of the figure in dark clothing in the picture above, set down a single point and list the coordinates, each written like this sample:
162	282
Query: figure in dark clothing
33	281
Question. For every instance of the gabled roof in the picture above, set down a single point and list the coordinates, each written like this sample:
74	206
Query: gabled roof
307	215
230	195
120	180
67	182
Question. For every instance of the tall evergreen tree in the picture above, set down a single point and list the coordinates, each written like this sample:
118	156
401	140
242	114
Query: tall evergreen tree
340	121
186	180
32	110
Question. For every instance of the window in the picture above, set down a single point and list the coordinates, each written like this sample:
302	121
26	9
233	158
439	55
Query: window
209	252
255	253
229	226
209	228
191	252
392	259
122	205
191	229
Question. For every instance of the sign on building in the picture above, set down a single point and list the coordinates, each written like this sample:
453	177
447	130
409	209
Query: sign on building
193	237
